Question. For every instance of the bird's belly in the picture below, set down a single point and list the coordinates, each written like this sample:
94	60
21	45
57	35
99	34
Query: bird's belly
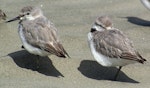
31	49
104	60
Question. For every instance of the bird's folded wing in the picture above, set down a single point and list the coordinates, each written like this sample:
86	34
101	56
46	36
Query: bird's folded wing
44	37
114	45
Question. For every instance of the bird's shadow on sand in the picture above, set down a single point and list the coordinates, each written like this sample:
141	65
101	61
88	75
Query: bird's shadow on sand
92	69
28	61
138	21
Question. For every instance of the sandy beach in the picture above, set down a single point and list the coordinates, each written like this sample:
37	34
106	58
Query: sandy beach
73	19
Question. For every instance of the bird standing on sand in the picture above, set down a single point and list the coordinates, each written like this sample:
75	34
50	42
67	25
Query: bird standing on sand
110	47
38	34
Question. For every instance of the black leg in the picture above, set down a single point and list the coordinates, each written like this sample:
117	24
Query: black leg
38	62
115	78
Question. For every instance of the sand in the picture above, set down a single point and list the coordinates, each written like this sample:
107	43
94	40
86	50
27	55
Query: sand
73	20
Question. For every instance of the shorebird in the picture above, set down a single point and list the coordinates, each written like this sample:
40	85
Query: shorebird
2	15
110	47
38	34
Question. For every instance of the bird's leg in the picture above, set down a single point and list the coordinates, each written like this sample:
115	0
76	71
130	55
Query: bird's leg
115	78
38	62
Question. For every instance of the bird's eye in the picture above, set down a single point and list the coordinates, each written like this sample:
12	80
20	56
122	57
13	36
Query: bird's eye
28	13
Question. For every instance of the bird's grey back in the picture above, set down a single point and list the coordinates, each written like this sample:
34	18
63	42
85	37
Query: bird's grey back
112	43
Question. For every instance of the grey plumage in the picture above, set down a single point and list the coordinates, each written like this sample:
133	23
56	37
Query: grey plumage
114	44
37	32
110	47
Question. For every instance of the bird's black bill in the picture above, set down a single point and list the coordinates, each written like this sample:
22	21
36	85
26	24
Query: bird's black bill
93	29
16	18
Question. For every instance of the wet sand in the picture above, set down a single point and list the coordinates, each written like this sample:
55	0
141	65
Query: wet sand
73	20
